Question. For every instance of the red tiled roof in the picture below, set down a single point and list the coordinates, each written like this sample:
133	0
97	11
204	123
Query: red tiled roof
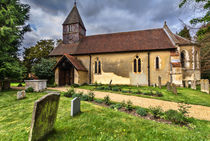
76	63
182	41
152	39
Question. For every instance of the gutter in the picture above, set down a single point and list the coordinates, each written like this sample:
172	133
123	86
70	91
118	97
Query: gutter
90	79
148	68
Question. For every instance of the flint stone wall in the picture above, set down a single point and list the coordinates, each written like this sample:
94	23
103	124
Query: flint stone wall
44	116
37	85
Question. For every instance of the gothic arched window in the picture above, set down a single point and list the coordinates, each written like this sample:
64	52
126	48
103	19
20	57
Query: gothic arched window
183	59
97	67
157	63
137	64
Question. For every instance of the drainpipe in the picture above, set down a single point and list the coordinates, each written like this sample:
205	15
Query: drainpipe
148	68
90	70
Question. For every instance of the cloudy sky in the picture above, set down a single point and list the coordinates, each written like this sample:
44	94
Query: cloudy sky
103	16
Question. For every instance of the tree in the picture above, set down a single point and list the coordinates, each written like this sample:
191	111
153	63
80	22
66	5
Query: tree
13	16
35	53
185	33
43	70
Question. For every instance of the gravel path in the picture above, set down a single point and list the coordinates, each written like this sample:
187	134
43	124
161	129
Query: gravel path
196	111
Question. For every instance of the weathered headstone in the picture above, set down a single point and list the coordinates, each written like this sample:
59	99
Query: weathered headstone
44	116
202	85
174	90
37	85
21	95
186	84
159	82
206	81
168	85
75	106
193	85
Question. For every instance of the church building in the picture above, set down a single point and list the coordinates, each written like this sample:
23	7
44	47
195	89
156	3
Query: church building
130	58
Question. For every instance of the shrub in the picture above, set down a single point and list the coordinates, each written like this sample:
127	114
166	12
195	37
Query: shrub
123	103
124	91
75	85
138	92
69	93
176	117
106	88
116	106
77	95
84	97
141	112
157	112
29	90
99	88
116	89
129	106
184	109
159	94
99	101
107	100
91	96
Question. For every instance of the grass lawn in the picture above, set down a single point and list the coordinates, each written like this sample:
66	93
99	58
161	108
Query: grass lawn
16	84
185	95
95	123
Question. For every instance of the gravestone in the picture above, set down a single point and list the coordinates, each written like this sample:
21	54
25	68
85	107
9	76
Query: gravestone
186	84
159	82
168	85
193	85
44	116
206	81
173	89
21	95
37	85
202	85
75	106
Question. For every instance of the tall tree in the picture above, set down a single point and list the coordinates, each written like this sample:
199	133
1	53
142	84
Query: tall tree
185	32
13	16
35	53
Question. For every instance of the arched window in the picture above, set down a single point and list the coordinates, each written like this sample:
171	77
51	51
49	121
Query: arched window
97	67
183	59
137	64
157	63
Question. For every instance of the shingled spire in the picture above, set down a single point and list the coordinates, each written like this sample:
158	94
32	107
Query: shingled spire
73	27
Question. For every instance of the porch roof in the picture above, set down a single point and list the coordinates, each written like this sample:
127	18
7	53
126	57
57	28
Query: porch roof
76	63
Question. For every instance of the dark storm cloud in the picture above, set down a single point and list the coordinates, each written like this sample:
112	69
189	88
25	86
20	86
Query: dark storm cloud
102	16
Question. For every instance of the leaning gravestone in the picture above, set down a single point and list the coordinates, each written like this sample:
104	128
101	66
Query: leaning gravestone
174	90
21	95
44	116
75	106
193	85
206	87
159	82
202	85
168	85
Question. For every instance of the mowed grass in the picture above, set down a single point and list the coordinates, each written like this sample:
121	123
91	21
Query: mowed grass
94	123
16	84
186	95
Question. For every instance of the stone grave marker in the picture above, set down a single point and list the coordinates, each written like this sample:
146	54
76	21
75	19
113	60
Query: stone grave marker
75	106
44	116
159	82
168	85
193	85
202	85
21	95
186	84
206	81
173	89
